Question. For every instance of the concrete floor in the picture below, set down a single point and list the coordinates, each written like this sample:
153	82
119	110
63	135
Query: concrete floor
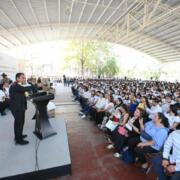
89	156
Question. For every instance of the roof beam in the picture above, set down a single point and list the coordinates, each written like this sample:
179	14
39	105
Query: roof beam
3	45
2	38
59	11
46	11
154	21
26	23
9	41
92	13
145	17
137	39
35	17
59	18
167	56
47	17
166	8
69	19
11	34
144	44
112	14
102	5
151	53
154	9
11	22
133	5
79	19
92	28
156	46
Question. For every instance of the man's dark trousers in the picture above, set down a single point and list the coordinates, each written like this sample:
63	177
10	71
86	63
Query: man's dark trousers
19	118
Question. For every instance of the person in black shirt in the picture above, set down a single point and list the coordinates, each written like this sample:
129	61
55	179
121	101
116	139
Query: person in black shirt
18	106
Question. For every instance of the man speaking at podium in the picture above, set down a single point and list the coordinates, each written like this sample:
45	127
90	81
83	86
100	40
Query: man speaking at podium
18	106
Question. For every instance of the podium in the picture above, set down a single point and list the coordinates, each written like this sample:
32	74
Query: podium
43	127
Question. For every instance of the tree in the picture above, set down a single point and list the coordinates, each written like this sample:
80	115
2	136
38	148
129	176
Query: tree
110	68
93	56
80	52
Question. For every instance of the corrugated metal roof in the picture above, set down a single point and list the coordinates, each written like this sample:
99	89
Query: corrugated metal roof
150	26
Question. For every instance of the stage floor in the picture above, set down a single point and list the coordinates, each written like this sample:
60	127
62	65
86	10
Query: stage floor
19	162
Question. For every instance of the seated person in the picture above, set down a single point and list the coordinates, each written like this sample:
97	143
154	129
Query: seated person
113	114
90	103
172	117
126	100
133	104
126	131
168	166
144	103
155	108
152	138
106	110
167	103
4	97
86	94
101	103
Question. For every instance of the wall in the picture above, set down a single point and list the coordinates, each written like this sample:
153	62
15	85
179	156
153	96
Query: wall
8	65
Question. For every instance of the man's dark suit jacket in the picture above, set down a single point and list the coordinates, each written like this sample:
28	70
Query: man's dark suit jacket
17	97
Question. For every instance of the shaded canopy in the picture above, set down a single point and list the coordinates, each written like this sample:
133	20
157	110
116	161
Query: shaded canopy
150	26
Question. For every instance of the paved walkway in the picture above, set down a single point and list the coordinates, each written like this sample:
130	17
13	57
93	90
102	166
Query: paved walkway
90	158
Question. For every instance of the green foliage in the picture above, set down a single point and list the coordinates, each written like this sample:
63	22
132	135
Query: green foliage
92	56
110	67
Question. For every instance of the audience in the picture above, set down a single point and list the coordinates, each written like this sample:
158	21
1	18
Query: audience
136	117
167	166
4	96
152	138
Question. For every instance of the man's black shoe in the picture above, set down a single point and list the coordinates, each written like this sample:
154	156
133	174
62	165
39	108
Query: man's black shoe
24	136
22	142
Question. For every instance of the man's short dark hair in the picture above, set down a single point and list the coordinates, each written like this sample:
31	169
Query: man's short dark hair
18	75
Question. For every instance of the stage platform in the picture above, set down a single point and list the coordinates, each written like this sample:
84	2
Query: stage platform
19	162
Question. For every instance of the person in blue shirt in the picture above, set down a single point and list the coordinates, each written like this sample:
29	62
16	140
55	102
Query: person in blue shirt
167	165
153	136
133	105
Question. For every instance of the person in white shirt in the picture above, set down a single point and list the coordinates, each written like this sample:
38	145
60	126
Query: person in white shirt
168	166
155	108
100	105
4	97
84	96
165	106
108	108
91	102
173	117
126	100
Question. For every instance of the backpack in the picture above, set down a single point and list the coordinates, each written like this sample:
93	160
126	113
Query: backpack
128	156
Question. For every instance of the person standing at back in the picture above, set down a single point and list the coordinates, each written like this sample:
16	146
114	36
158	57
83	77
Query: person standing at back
18	106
